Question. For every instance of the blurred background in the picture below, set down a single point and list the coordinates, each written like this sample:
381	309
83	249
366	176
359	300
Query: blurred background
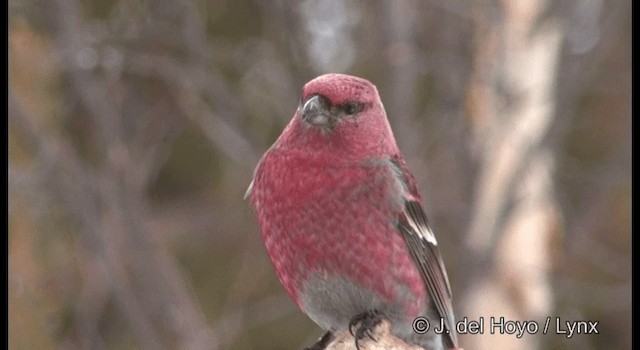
135	126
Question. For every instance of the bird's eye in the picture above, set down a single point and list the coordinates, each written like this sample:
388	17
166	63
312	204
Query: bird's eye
351	108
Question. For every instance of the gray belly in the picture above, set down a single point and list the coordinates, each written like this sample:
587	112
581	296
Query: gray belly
332	302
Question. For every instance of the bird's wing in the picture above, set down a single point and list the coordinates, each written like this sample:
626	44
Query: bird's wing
414	227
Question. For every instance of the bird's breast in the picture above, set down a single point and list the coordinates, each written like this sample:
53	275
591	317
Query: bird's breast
325	221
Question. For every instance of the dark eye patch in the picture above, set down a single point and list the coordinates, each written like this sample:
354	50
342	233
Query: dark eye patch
351	108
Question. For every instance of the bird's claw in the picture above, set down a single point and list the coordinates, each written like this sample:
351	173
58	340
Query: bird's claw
364	325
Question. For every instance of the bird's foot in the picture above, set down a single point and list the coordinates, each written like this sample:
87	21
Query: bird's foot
322	343
363	324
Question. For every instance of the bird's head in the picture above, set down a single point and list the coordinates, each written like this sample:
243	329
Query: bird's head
341	112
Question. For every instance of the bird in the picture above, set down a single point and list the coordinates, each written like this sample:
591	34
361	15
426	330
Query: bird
343	223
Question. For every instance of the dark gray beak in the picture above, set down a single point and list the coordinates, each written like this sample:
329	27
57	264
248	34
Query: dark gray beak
317	111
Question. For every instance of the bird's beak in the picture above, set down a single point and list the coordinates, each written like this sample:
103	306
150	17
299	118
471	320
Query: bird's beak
317	111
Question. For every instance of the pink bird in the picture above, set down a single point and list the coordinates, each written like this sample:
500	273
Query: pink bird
342	219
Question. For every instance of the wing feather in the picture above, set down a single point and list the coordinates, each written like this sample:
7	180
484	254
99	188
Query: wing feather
422	244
